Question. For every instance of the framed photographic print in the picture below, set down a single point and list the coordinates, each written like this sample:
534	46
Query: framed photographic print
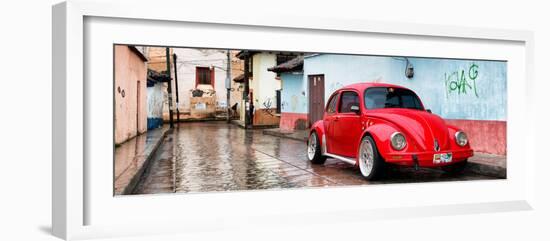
170	121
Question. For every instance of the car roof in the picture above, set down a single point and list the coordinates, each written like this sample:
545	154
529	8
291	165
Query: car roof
364	85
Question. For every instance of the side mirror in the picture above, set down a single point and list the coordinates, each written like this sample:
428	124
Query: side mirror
429	111
355	108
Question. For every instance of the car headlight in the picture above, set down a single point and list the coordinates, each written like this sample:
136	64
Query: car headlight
461	138
398	141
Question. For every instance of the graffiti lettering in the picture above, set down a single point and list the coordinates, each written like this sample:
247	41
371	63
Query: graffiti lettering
267	107
461	82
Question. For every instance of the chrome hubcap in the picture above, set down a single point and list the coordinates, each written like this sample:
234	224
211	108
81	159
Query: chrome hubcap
311	146
366	158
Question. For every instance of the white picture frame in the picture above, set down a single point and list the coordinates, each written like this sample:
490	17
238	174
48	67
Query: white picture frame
77	196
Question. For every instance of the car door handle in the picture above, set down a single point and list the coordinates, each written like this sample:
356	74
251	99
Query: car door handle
336	118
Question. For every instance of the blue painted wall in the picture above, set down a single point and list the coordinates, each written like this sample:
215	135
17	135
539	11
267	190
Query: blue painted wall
294	95
453	89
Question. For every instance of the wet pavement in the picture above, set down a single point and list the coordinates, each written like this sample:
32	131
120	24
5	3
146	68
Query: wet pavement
216	156
131	159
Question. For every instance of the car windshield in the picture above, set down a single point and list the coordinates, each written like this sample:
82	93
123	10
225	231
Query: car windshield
389	97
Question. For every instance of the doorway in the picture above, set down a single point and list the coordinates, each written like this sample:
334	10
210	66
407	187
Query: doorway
316	84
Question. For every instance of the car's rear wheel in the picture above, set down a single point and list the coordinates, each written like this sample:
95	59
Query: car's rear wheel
455	168
371	163
314	154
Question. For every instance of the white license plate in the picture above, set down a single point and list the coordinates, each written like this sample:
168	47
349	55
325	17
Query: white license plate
443	158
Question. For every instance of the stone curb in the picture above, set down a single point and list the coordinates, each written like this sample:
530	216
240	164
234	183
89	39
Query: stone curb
279	134
486	170
241	125
129	189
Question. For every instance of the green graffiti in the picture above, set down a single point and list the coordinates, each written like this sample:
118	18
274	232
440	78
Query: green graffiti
473	71
461	82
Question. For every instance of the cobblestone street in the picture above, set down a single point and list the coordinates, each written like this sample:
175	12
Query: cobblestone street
216	156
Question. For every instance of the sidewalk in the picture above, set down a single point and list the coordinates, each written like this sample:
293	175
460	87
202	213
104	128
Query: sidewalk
487	164
481	163
299	135
132	157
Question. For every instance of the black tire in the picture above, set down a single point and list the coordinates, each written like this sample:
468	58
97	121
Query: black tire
455	168
315	157
378	166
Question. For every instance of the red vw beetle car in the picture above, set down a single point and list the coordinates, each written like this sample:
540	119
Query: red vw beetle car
372	124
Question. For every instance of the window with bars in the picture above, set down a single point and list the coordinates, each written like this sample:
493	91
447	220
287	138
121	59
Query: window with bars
204	76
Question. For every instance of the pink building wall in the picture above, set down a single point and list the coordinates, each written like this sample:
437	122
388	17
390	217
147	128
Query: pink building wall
290	120
486	136
130	93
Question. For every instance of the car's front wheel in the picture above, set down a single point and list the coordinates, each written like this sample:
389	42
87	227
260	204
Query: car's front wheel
314	149
371	163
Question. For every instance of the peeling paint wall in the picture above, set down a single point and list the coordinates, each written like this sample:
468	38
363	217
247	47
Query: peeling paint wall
155	104
191	58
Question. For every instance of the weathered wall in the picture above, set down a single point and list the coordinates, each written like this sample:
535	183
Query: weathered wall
188	60
293	101
157	58
484	135
155	104
263	85
463	90
130	94
454	89
237	68
294	95
157	62
264	82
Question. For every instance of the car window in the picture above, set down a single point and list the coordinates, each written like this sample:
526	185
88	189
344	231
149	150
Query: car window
331	107
347	100
389	97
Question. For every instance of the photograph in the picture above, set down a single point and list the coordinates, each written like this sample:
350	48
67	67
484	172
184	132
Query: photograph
199	120
173	120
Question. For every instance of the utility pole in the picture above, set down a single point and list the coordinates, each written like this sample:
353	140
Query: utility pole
177	89
228	85
170	107
246	91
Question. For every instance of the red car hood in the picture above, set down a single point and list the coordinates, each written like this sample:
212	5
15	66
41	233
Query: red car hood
420	126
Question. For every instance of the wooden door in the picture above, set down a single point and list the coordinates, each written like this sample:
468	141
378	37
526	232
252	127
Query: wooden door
316	98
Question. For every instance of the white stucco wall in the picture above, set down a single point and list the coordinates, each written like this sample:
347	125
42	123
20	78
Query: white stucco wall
264	82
